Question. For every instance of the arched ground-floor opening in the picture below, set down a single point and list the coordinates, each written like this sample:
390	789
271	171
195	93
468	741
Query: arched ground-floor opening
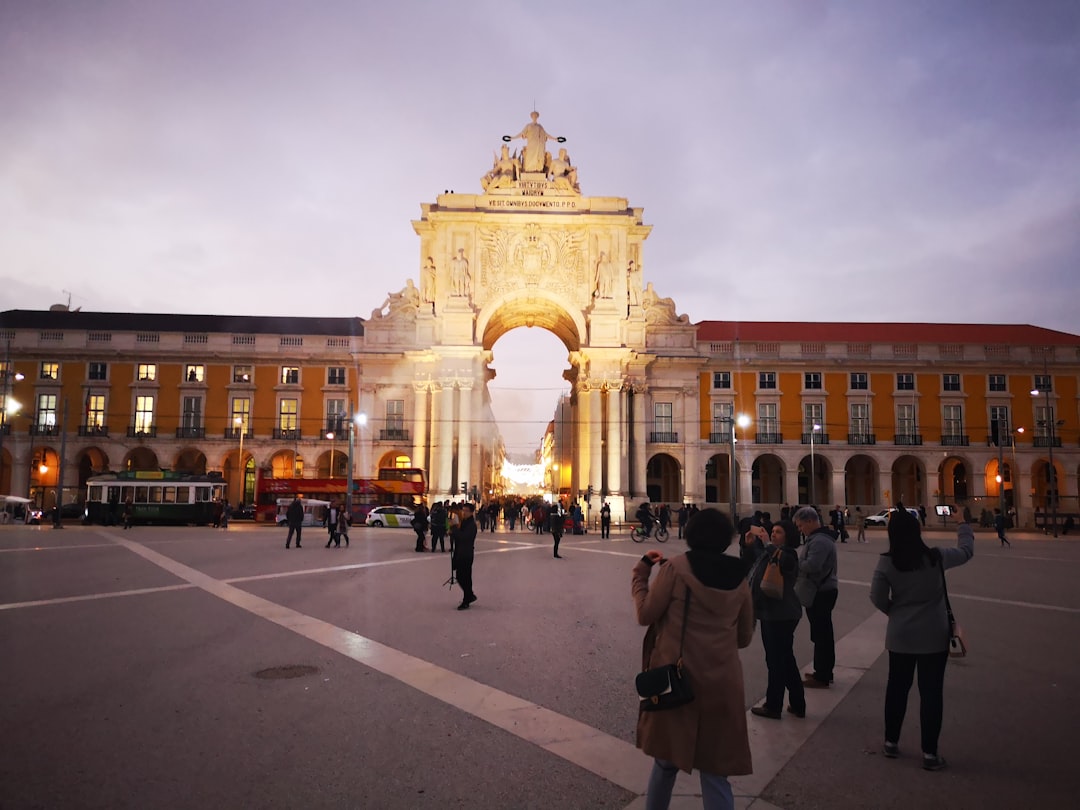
1048	489
815	477
1000	481
767	479
908	482
861	478
953	483
286	464
718	479
141	459
663	479
44	468
191	461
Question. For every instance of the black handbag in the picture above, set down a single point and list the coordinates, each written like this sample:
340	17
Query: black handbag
666	687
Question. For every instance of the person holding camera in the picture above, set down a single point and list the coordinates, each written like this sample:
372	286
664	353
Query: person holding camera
462	545
697	606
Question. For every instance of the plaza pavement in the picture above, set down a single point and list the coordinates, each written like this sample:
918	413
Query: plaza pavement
129	662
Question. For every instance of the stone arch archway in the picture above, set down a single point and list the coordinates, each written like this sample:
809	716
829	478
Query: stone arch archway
718	478
663	478
531	308
190	460
141	458
767	480
861	480
908	482
954	480
821	491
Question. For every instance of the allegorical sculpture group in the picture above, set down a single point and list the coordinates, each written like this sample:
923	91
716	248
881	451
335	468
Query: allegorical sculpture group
533	159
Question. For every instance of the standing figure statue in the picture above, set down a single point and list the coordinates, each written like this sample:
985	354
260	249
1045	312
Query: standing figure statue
427	280
604	277
536	138
460	277
633	284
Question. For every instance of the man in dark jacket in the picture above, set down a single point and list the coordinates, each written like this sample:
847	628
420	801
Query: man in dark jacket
818	565
462	544
294	516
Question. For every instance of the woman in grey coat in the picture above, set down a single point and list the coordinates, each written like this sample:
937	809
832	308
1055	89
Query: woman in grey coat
908	587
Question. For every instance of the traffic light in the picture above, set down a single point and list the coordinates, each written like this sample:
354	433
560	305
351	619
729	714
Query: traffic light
464	487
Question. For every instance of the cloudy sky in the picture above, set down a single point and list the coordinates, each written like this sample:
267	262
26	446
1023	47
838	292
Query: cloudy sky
798	159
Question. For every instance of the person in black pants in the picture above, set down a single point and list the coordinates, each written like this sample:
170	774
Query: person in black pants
462	545
605	521
818	563
557	526
294	516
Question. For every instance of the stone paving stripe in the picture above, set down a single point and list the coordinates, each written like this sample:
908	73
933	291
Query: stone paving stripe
87	597
993	600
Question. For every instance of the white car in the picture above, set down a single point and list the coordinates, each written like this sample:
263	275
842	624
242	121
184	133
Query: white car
882	517
390	516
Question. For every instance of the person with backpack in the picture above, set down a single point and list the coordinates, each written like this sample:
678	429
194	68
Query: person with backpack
437	518
420	526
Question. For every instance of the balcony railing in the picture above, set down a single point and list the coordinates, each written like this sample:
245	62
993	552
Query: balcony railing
191	432
146	432
234	434
394	435
1047	441
769	438
819	438
1006	441
954	440
93	430
908	439
287	433
660	437
861	438
723	437
44	430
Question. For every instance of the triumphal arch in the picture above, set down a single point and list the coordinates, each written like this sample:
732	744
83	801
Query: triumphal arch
529	249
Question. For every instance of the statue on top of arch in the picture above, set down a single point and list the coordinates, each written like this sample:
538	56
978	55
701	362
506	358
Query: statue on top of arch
659	310
534	158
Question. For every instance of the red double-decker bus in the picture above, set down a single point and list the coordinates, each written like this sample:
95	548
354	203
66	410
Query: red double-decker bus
399	486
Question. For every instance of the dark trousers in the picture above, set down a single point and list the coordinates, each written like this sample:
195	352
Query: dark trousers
819	615
605	528
558	537
438	536
463	566
421	538
778	638
289	538
902	668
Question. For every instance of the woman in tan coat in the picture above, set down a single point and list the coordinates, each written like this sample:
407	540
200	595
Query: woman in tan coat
709	733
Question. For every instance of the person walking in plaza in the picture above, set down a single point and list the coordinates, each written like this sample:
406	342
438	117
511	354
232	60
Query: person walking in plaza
698	606
860	525
779	618
605	521
437	518
462	548
682	516
294	517
331	525
129	513
664	516
558	523
342	528
818	567
420	526
999	527
908	586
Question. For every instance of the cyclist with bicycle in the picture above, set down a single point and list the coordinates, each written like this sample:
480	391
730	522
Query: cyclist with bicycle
645	516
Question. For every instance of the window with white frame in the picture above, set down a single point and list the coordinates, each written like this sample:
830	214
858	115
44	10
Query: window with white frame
721	380
952	420
905	382
46	411
905	420
290	375
996	382
950	382
335	375
1042	421
95	410
144	414
96	371
722	415
50	371
194	373
812	381
1044	383
813	414
767	418
860	381
999	423
395	417
242	374
287	414
191	418
147	372
240	415
662	421
860	419
767	380
335	415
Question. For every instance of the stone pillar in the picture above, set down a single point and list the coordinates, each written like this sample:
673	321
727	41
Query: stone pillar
746	482
693	488
839	486
464	425
791	485
884	488
596	444
583	428
637	486
444	452
420	421
368	462
614	441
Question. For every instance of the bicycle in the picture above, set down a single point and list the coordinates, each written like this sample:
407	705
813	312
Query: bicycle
638	535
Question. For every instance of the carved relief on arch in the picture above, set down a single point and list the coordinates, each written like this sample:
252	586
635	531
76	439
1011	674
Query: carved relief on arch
533	256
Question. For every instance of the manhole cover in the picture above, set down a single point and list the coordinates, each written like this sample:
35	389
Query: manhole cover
282	673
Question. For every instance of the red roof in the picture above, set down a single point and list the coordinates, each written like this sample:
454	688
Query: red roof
793	331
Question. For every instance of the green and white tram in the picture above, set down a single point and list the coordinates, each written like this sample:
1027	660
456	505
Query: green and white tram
154	496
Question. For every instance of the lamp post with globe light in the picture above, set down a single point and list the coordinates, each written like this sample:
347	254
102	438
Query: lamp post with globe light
239	422
1051	477
356	421
8	406
743	421
814	428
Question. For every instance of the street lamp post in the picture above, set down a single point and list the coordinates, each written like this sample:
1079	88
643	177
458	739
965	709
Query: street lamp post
57	523
355	421
743	421
813	483
8	406
330	436
1051	477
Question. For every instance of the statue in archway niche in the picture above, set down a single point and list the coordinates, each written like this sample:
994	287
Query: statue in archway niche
633	284
604	278
460	276
534	157
427	281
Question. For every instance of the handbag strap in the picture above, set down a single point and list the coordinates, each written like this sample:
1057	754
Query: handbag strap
685	620
945	589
